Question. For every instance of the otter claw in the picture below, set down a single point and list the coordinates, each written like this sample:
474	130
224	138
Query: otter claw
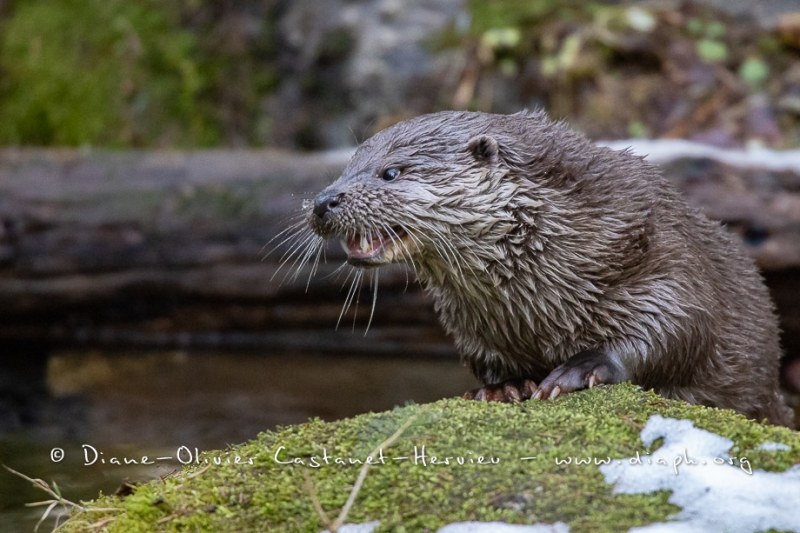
513	390
584	370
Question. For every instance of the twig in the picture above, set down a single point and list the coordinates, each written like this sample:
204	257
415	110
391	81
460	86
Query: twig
58	499
55	492
362	474
312	492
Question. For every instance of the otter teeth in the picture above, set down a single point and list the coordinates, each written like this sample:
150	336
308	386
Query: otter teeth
361	246
372	248
366	246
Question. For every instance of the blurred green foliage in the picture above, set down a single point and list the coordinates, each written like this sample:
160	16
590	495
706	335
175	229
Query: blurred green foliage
119	73
110	72
618	69
198	73
754	71
491	14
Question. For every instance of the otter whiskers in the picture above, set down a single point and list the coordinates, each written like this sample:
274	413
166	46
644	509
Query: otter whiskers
303	249
300	242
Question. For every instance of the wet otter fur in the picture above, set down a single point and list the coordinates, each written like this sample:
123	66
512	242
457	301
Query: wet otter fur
558	265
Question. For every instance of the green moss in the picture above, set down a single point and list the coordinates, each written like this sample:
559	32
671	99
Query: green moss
266	496
107	72
120	73
510	13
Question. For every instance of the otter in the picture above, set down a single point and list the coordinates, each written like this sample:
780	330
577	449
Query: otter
558	265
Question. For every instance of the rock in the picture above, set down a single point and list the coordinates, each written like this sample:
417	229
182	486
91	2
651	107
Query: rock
454	461
349	63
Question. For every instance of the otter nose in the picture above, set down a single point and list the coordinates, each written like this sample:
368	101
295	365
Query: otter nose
325	202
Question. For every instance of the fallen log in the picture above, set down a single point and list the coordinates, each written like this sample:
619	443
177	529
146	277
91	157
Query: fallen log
98	242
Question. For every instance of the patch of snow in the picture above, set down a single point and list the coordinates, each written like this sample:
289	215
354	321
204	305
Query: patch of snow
366	527
469	527
716	492
502	527
669	527
774	447
664	150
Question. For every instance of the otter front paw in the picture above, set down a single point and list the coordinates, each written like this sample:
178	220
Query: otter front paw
513	390
581	371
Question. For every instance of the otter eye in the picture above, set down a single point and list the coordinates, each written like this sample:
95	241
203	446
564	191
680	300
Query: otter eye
390	174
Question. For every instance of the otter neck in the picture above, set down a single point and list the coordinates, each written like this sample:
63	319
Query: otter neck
538	295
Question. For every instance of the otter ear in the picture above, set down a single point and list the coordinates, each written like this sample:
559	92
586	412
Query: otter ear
483	148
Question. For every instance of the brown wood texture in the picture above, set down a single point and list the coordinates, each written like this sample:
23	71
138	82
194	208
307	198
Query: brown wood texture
167	248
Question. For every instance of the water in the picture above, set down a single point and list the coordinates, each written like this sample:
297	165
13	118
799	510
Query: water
104	405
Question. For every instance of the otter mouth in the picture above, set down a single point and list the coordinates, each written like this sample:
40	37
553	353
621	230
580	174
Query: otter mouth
375	248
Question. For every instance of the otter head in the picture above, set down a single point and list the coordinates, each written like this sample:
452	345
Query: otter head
420	191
